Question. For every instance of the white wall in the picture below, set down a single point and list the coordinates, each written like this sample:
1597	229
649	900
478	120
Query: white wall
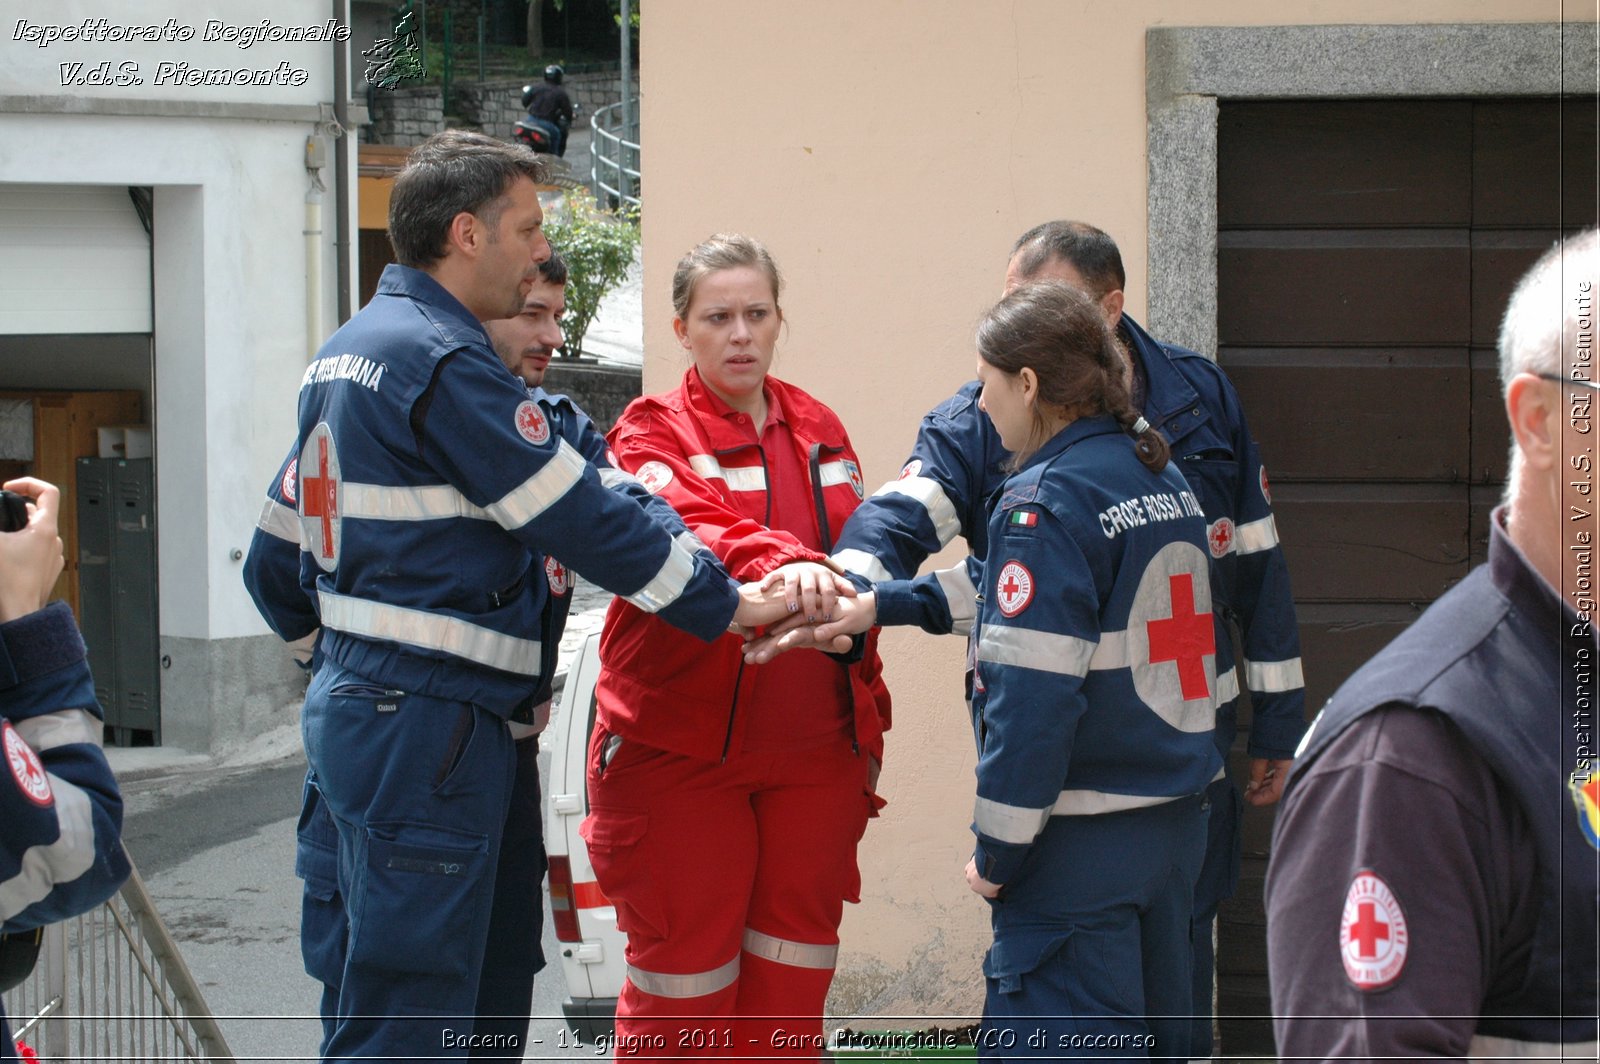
227	164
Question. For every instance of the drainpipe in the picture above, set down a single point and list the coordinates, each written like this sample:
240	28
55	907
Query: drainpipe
315	158
341	160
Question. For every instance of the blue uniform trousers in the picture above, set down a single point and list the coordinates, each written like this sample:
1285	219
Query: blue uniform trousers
1091	954
418	789
1219	877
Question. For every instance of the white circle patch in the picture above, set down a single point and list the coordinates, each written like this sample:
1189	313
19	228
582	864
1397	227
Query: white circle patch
1372	933
287	485
26	768
1014	590
560	577
654	476
1220	537
531	422
911	469
1266	492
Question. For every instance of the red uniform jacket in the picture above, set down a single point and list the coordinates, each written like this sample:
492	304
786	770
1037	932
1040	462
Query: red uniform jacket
669	690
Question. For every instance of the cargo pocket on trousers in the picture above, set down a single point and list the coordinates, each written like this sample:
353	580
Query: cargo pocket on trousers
322	917
623	872
424	902
1011	961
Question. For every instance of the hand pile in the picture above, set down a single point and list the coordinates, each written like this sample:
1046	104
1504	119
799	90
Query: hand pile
806	604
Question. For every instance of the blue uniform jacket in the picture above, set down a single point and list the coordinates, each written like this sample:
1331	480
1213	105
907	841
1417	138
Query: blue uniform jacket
1096	686
272	567
429	485
956	466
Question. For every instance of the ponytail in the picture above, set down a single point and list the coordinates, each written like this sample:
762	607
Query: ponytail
1148	444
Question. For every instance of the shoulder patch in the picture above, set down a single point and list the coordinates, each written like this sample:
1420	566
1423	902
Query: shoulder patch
560	577
654	476
1219	537
1023	517
532	424
1266	492
1014	589
26	769
286	486
857	485
910	469
1373	941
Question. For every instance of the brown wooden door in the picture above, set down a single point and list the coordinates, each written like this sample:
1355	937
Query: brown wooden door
1365	252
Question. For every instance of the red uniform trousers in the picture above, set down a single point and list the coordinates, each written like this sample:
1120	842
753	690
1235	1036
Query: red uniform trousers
730	880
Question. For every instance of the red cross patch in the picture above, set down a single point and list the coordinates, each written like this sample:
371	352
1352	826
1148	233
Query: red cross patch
1014	590
560	577
654	476
1372	933
1186	638
853	471
531	422
319	504
26	768
286	486
1266	492
910	469
1220	537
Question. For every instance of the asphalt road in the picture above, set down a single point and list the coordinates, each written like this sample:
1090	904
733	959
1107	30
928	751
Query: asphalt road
216	849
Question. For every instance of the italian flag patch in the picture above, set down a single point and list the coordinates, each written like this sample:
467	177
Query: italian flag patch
1023	519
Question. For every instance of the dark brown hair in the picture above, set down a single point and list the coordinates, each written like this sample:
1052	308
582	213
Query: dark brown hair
452	172
1080	245
1058	333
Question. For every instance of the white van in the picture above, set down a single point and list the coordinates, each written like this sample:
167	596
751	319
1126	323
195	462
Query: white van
585	922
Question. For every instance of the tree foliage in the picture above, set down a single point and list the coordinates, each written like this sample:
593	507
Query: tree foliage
599	246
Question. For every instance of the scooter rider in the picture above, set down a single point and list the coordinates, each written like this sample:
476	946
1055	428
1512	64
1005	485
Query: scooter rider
549	103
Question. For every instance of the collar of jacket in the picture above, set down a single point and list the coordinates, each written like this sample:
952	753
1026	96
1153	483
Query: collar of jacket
1081	429
802	418
447	313
1170	393
1522	585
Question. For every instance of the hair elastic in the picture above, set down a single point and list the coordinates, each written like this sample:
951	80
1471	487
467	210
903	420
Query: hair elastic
1141	426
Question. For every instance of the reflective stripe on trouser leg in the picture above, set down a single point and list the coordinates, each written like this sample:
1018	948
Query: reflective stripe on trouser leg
693	985
785	951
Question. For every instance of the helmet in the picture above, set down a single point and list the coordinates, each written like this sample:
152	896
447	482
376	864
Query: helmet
553	74
527	95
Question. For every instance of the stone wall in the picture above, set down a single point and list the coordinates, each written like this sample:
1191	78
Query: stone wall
409	115
602	391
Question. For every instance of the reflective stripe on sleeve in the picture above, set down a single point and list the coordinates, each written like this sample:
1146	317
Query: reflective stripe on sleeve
612	477
279	521
1030	648
698	984
738	478
542	490
946	522
960	596
665	587
1494	1047
859	561
65	727
786	951
689	541
832	474
62	861
1272	677
1257	535
1008	823
435	631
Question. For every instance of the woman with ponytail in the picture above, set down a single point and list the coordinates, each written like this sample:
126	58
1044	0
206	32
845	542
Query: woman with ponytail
1094	694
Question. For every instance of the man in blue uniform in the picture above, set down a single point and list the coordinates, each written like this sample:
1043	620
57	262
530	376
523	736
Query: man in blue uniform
955	466
513	955
429	490
1433	880
60	810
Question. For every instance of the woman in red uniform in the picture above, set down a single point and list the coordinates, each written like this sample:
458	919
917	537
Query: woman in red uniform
727	800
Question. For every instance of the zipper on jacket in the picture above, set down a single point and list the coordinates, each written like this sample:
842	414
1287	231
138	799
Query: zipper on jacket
727	738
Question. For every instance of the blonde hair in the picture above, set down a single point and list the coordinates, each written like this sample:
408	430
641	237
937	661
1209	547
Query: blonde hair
722	251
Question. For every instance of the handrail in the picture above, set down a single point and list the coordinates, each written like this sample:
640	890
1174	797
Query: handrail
614	170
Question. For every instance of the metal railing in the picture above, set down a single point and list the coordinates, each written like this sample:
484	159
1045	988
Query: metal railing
614	150
111	985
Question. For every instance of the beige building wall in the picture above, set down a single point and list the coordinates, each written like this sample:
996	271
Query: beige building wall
889	152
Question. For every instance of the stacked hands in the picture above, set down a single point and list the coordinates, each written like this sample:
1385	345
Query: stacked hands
802	604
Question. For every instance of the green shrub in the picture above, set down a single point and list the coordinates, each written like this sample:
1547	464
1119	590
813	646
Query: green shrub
599	247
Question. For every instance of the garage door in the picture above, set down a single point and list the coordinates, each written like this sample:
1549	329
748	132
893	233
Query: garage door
1365	252
73	259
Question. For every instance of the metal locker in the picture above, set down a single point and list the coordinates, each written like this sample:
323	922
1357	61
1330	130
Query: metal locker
96	601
